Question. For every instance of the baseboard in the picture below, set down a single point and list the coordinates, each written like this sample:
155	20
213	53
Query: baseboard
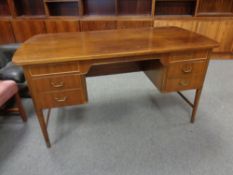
222	56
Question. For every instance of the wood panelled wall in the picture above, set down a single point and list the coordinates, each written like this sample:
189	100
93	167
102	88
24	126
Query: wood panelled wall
6	32
19	30
220	30
24	29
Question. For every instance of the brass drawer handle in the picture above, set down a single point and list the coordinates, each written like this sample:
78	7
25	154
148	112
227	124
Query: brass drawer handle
187	69
184	83
57	84
60	99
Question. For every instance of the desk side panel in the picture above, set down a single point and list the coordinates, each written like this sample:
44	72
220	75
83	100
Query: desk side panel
156	72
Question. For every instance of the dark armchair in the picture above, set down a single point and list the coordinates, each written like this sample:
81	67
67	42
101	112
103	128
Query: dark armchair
9	71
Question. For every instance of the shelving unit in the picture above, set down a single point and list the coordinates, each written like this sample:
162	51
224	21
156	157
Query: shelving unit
28	8
215	8
62	7
175	7
114	8
100	7
117	7
134	7
4	9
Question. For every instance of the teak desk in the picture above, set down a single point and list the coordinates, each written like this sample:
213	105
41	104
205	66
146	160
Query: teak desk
56	65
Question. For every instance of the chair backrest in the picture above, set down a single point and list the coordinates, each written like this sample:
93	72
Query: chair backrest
3	59
9	49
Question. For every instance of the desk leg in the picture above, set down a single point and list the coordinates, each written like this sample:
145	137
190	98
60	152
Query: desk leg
195	105
43	126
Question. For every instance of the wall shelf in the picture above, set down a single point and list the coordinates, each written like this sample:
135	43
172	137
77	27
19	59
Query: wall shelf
28	8
62	8
61	0
4	8
215	14
175	7
215	8
100	7
134	7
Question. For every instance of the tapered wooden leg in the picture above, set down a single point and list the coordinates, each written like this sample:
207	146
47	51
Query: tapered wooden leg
43	126
20	108
195	105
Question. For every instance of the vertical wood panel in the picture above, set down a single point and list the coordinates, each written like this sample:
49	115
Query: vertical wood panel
216	29
90	25
24	29
225	35
185	24
122	24
12	8
81	8
6	33
197	7
153	8
209	28
57	26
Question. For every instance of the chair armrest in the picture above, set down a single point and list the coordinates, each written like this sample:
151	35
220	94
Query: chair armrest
12	72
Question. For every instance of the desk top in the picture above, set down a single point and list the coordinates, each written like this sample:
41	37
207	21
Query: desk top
53	48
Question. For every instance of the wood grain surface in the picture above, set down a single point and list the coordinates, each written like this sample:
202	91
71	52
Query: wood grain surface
52	48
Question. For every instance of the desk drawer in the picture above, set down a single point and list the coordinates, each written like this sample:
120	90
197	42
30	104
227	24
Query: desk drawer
54	83
53	69
62	98
177	84
182	56
184	69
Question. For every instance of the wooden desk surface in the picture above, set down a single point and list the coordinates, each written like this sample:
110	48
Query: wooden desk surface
52	48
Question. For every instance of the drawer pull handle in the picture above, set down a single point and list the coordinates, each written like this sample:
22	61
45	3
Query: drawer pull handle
184	83
57	84
60	99
187	69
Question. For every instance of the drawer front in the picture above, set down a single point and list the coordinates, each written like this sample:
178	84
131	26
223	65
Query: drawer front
53	69
177	84
182	56
184	69
54	83
62	98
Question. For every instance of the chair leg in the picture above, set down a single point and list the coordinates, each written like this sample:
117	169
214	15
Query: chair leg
20	107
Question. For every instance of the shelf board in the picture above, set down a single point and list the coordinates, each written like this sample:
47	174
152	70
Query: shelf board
30	16
63	17
5	17
174	16
50	1
215	14
117	17
134	17
174	0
